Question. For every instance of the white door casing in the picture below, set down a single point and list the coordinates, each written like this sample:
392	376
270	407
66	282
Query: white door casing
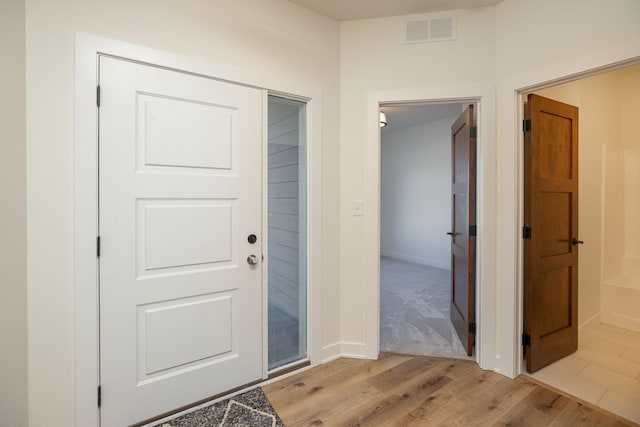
180	191
483	97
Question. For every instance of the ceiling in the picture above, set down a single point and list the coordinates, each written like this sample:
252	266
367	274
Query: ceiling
406	115
348	10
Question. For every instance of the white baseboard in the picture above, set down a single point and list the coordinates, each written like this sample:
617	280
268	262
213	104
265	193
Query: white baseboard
622	320
590	323
417	260
330	352
354	350
344	349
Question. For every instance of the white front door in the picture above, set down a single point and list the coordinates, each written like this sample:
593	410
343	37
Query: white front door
180	192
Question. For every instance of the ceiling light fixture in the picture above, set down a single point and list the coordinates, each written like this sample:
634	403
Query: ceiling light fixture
383	119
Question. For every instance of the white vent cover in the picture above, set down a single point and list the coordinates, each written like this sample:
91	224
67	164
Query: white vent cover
429	30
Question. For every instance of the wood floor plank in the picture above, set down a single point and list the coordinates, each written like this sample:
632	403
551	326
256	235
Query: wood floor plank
575	413
463	401
330	391
400	398
366	393
399	390
539	407
480	406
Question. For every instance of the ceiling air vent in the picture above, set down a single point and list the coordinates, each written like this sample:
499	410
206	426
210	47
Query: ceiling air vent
429	30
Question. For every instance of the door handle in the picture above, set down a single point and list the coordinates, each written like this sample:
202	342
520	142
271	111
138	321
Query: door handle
450	233
575	242
252	260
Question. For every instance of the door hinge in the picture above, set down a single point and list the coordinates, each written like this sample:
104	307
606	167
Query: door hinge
526	232
98	246
473	230
98	96
472	328
526	125
99	396
526	340
473	131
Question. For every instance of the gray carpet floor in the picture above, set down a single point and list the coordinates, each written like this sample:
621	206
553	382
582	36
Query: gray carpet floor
414	310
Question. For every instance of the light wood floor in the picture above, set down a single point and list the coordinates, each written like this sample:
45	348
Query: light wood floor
422	391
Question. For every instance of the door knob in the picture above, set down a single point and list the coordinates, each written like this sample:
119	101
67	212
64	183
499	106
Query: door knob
577	242
252	260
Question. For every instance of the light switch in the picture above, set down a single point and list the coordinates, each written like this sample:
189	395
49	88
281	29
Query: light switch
358	208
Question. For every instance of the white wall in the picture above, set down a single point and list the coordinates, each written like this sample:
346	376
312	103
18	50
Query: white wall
629	113
373	59
534	34
13	256
622	174
273	37
415	187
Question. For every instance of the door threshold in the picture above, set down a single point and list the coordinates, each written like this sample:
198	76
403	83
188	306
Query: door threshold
580	400
287	369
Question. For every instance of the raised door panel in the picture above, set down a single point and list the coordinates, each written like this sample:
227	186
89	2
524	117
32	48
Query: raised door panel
184	134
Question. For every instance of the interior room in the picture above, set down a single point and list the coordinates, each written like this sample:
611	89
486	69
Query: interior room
415	263
135	171
606	364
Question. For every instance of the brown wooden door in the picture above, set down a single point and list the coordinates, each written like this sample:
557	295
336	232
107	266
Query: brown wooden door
551	226
463	222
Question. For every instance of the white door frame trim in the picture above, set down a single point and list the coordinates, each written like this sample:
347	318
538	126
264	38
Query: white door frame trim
511	185
87	49
482	95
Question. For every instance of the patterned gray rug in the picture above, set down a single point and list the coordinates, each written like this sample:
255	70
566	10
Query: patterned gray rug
249	409
414	310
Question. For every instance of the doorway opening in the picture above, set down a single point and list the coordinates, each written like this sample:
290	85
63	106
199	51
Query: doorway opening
606	366
415	263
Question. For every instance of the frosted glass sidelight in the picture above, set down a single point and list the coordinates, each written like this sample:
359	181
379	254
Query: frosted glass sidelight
287	231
